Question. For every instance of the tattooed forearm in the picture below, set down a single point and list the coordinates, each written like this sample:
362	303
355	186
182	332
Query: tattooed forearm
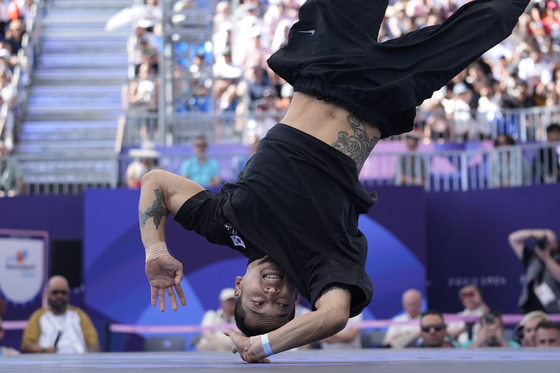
157	211
358	145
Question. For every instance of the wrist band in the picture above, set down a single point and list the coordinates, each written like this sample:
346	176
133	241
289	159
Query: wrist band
257	347
155	251
266	344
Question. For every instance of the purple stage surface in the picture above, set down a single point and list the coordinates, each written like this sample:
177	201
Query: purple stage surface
377	360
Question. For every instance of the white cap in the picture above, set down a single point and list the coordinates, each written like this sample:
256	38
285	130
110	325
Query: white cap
226	294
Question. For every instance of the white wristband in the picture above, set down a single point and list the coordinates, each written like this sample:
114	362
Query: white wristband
155	251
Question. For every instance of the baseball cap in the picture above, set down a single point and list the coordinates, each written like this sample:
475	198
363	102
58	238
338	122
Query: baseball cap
227	293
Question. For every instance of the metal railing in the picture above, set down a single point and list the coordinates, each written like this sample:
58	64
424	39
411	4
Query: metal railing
437	171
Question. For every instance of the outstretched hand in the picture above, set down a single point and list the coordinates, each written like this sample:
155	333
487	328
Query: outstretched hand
242	345
166	273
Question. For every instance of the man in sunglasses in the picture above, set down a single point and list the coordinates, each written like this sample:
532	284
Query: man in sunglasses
433	331
60	328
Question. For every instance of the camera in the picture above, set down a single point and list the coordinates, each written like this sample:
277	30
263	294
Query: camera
541	243
489	319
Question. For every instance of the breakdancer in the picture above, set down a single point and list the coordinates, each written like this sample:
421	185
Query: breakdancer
293	211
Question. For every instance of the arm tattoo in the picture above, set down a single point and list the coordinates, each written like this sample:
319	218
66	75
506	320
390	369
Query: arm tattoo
157	211
356	146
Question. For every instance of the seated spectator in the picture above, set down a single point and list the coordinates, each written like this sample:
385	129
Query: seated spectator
5	350
528	327
491	333
215	340
347	338
11	179
548	334
60	328
200	168
433	331
402	335
144	160
471	296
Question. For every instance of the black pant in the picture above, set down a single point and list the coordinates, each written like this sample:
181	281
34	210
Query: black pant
332	52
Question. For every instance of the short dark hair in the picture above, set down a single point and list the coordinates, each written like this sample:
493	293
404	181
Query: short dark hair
547	324
240	316
432	312
553	127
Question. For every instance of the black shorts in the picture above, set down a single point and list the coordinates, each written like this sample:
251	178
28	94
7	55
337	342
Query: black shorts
333	53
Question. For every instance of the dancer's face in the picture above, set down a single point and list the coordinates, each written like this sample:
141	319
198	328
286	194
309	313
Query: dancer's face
268	296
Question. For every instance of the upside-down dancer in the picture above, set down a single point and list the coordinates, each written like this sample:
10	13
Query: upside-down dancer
293	210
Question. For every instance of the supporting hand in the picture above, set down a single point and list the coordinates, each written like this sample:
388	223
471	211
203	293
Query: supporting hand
242	345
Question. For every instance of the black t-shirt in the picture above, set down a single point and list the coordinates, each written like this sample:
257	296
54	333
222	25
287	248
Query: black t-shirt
298	200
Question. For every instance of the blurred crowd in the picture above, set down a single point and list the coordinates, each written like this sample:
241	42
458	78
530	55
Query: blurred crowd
17	18
230	76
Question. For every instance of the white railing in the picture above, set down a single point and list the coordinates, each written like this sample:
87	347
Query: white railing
523	125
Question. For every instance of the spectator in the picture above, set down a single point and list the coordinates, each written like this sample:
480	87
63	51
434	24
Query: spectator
460	110
471	296
538	250
141	47
200	168
491	333
347	338
548	334
60	328
215	340
144	160
528	327
143	96
11	179
14	35
433	331
5	350
546	165
412	167
402	335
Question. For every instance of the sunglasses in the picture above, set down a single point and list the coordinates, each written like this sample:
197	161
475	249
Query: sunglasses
61	292
437	328
467	294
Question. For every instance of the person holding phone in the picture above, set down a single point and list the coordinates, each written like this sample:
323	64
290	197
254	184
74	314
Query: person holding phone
538	251
491	333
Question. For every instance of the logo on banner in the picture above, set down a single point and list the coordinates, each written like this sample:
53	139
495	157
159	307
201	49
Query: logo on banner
21	268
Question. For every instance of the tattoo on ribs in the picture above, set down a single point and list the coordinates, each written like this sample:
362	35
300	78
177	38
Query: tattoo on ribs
157	211
357	146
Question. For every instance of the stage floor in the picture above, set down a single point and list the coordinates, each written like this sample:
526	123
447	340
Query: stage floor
315	361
